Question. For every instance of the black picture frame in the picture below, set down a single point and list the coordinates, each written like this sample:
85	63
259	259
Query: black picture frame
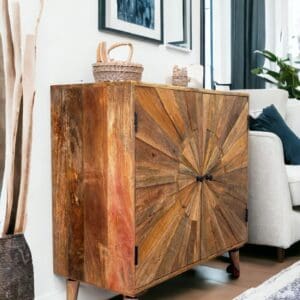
102	24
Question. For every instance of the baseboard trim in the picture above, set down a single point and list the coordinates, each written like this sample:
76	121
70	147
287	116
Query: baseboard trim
61	295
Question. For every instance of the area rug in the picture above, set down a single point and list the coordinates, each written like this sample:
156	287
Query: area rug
283	286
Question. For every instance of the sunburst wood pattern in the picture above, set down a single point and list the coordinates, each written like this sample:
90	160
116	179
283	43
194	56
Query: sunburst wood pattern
180	217
148	181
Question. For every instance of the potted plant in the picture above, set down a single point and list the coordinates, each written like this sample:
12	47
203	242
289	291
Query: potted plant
286	77
16	268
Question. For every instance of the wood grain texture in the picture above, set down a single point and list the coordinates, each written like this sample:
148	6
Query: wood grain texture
60	191
74	175
72	289
120	191
93	185
225	146
168	194
194	134
139	198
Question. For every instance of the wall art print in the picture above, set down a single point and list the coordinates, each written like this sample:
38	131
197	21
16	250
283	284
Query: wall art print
138	18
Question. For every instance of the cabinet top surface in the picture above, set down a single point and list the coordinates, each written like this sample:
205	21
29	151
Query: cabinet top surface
156	85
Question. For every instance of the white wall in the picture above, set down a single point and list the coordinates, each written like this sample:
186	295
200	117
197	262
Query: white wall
66	50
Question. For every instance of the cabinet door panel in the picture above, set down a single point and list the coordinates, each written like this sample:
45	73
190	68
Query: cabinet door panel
224	199
167	193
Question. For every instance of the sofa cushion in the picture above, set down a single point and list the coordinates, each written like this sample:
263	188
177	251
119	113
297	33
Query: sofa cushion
293	173
271	121
259	99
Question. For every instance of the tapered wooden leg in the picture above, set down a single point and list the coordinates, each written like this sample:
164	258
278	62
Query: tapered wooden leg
72	289
280	254
234	267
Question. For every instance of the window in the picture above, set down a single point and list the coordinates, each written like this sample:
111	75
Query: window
294	30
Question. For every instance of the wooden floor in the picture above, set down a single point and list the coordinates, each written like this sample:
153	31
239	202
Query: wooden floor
211	282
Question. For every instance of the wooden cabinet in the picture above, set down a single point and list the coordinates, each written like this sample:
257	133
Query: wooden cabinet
148	181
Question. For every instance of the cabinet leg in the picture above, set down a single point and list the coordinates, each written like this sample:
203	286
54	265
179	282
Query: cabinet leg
234	267
72	289
280	254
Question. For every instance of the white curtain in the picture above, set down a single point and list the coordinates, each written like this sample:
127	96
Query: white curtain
283	27
294	29
277	16
222	41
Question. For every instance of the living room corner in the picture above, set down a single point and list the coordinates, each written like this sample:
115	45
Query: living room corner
149	149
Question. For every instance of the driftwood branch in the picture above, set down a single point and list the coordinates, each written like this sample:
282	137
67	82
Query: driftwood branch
8	51
28	102
38	20
29	68
9	75
20	79
2	116
16	106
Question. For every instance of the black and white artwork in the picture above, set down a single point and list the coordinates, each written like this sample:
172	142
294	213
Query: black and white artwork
139	12
141	18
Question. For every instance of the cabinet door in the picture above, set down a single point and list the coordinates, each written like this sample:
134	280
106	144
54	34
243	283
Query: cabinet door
225	145
168	194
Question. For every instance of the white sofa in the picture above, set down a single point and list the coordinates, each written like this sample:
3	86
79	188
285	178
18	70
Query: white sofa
274	188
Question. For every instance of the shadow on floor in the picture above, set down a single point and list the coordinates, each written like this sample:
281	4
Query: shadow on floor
211	282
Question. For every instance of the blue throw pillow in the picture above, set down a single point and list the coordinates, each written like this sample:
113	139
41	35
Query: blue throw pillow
270	120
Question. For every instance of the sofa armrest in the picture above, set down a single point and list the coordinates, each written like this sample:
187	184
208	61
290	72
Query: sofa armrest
269	197
292	116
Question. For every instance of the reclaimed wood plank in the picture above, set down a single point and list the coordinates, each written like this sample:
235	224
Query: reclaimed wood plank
95	185
59	183
224	198
74	175
159	233
121	188
149	211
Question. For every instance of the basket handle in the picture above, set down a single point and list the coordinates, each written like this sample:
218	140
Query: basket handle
101	53
116	45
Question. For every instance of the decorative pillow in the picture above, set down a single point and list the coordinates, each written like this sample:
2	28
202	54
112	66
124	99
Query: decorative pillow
270	120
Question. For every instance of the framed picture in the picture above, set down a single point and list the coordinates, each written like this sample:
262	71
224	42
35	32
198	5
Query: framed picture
138	18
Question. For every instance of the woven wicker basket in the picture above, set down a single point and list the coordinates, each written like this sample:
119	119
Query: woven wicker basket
106	69
180	81
180	76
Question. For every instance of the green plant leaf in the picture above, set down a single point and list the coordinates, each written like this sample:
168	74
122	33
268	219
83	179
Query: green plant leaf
257	71
287	78
296	94
267	54
273	74
263	76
